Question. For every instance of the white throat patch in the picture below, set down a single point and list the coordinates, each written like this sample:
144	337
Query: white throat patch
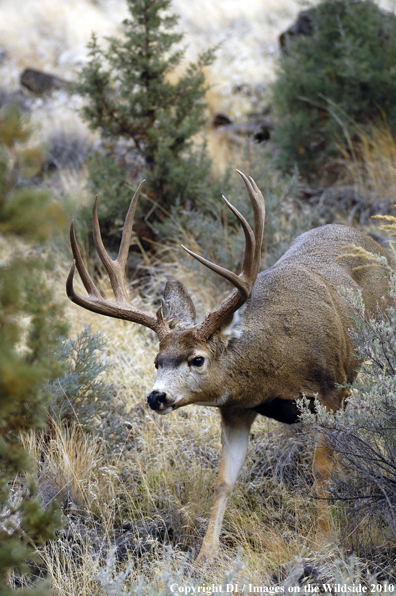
216	403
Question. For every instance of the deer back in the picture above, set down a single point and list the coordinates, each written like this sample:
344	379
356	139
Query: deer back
295	337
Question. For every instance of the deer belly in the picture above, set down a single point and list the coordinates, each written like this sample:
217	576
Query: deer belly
282	410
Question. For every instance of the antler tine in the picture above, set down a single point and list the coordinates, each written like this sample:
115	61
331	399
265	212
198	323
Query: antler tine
85	276
258	205
116	268
113	268
238	281
250	240
245	280
93	302
229	275
69	284
127	231
120	308
259	220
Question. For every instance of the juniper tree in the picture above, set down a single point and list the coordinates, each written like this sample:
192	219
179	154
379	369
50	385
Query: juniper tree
130	96
31	328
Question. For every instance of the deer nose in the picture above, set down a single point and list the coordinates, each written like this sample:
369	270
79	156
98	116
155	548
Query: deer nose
155	399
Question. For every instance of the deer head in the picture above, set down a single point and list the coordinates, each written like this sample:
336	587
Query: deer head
188	362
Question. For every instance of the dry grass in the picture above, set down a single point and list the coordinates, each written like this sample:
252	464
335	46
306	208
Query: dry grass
74	468
167	479
370	164
168	475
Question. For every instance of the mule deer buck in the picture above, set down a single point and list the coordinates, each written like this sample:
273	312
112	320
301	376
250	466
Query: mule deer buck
277	336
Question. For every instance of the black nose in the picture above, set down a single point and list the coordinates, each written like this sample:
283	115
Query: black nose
155	399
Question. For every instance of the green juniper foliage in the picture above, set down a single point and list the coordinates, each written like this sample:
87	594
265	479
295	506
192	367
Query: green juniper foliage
340	77
31	329
131	97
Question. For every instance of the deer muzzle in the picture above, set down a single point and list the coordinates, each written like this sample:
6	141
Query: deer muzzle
157	401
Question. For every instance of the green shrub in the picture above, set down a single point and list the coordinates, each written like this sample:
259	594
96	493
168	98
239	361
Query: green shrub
340	77
81	395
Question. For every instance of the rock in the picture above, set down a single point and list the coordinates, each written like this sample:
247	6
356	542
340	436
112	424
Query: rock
305	25
220	119
138	539
262	132
39	82
260	128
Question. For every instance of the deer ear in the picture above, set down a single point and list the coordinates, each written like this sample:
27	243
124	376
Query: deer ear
177	305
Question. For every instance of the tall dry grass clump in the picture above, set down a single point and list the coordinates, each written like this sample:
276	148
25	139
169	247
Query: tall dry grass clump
370	163
74	468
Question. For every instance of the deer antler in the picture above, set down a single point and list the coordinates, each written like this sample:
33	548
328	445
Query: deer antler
245	280
121	307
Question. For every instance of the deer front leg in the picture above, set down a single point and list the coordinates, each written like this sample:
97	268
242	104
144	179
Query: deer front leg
235	429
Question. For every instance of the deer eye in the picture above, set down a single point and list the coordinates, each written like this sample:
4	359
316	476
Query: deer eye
198	361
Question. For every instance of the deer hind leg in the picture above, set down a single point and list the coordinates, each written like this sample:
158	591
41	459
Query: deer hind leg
323	463
322	466
234	438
